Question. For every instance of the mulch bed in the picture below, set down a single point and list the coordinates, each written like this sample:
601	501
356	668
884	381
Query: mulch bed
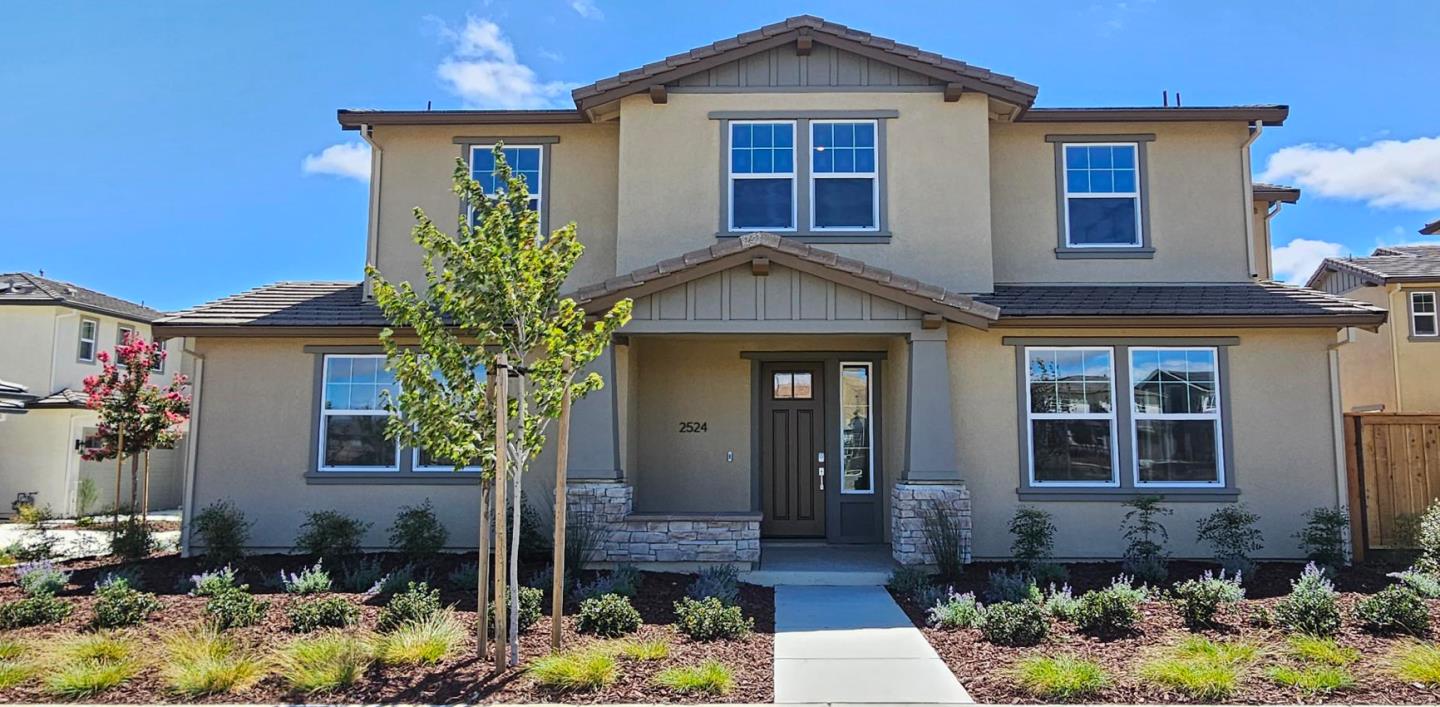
986	670
458	679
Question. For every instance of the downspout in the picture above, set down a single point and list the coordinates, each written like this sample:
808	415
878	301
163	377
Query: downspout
372	232
1248	195
1337	415
187	509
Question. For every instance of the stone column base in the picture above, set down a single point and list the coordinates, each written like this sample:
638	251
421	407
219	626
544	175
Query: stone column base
661	537
909	502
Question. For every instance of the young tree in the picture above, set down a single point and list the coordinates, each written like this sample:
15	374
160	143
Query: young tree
492	292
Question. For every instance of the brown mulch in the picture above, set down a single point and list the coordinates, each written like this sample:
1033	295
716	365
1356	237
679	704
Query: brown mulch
987	670
462	678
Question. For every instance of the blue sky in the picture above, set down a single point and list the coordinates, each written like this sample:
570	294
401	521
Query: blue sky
158	150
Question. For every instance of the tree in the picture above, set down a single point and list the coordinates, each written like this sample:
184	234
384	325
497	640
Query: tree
136	416
492	292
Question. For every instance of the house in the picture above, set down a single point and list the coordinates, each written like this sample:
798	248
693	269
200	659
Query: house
54	332
867	278
1393	368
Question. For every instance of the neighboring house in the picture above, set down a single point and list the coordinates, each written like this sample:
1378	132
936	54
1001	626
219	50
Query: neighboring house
866	277
54	332
1391	369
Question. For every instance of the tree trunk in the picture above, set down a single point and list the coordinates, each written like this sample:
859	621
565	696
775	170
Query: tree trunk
562	456
502	374
134	483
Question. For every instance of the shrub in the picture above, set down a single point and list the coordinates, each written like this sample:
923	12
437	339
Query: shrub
534	541
1011	586
212	582
424	642
465	577
1109	612
90	664
1060	602
656	649
709	619
325	663
417	603
235	607
584	536
708	678
395	581
956	611
1417	663
38	542
1062	678
133	539
1323	537
1260	617
1199	600
1425	585
1201	669
1427	538
15	672
946	539
1034	544
574	671
416	531
33	611
205	662
532	607
116	604
330	534
1311	679
542	578
908	581
361	575
1232	536
223	530
41	578
623	580
1312	606
310	580
719	581
1145	537
329	612
1394	609
1014	624
610	616
1320	651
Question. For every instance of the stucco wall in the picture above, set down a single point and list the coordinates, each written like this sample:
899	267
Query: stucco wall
1197	217
36	450
1418	360
1261	226
1367	364
937	157
49	360
1280	419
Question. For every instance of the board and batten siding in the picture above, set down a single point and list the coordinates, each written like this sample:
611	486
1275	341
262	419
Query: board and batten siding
824	66
1339	282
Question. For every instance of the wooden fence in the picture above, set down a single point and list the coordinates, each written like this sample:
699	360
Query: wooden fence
1394	466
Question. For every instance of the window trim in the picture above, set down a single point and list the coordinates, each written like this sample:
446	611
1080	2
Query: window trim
325	412
1218	417
1063	249
120	329
793	175
544	142
94	340
1433	314
873	176
869	367
1030	416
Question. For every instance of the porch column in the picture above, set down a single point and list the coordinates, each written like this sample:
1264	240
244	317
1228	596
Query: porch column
929	422
594	434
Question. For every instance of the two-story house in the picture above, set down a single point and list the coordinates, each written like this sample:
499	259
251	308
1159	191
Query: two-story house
54	333
1391	369
867	278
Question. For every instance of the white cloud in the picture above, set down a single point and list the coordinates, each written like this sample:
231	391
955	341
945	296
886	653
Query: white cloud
484	71
347	159
1387	173
587	9
1295	261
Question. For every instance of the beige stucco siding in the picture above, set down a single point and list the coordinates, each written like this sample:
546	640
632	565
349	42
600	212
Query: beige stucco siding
1280	421
1260	223
417	170
1367	362
937	159
1417	359
1197	209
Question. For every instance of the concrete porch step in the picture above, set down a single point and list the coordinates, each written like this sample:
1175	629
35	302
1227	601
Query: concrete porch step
815	578
818	564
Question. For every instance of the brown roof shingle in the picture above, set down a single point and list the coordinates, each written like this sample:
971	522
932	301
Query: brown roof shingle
1257	299
1386	263
25	288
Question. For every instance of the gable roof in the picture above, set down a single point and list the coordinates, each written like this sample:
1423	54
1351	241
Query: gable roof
1431	228
25	288
1401	263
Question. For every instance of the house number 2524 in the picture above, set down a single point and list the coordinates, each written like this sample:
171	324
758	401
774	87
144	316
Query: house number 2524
694	426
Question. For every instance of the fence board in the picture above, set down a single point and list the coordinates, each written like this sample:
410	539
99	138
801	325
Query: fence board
1394	471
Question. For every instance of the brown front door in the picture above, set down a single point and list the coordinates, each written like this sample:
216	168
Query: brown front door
792	448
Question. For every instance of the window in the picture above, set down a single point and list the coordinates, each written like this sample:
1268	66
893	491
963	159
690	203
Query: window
844	183
524	160
423	460
1422	314
89	328
353	416
123	332
157	365
793	386
1102	195
1071	416
856	430
1176	396
762	176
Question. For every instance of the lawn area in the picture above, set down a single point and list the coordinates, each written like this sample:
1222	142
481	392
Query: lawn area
171	656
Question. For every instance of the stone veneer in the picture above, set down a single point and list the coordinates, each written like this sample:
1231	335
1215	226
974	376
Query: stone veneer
908	502
662	537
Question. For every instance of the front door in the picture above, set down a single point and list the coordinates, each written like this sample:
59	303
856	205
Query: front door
792	448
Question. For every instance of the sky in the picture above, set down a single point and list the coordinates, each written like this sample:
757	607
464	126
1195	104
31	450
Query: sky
177	152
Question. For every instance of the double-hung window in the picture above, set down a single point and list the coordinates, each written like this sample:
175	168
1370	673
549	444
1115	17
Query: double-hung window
525	161
1422	314
423	460
89	333
1070	419
123	333
844	182
1176	398
353	414
1102	195
762	175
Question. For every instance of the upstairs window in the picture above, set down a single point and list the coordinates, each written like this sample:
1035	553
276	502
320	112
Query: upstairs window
1102	195
1422	314
762	176
89	330
525	161
844	183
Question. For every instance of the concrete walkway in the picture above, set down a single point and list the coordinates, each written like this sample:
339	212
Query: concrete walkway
854	645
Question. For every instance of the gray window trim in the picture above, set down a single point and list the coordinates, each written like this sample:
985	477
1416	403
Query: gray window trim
1146	249
80	340
1410	317
544	142
1124	421
405	459
803	231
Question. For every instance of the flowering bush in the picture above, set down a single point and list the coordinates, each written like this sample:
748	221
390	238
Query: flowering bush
128	401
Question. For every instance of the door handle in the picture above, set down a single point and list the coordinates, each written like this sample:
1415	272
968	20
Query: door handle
820	472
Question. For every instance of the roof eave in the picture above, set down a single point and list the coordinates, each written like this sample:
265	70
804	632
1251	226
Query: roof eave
1268	115
1197	321
354	119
